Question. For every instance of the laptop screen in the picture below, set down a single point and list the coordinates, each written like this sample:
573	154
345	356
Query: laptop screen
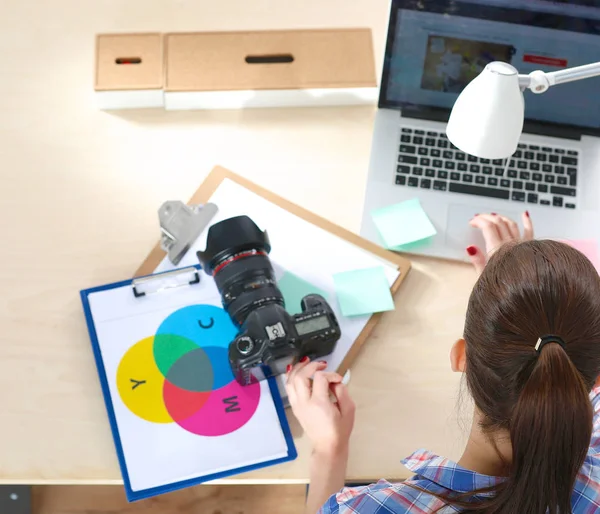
436	47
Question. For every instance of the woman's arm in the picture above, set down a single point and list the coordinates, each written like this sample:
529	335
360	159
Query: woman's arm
327	474
325	410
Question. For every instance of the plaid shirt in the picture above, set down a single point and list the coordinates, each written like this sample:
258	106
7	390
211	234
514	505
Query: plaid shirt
443	476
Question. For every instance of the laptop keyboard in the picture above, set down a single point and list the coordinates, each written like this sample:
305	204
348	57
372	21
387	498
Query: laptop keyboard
537	175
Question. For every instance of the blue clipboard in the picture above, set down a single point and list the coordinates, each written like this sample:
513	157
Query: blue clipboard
147	493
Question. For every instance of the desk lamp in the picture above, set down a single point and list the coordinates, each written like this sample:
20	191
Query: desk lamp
487	118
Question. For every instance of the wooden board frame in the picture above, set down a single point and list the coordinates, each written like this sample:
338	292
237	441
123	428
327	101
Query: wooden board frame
211	184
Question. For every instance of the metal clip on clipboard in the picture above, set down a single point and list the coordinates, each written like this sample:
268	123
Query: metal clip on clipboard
163	281
180	226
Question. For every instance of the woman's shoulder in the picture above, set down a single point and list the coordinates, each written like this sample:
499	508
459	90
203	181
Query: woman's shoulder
434	478
586	493
415	496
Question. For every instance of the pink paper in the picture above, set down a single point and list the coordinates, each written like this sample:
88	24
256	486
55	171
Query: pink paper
589	248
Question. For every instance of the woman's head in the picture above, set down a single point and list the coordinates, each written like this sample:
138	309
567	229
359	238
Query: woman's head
526	291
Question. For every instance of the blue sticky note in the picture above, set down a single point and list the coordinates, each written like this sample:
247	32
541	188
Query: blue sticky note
403	223
294	289
363	291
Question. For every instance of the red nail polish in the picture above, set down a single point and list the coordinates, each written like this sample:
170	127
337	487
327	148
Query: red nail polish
304	359
527	213
289	368
494	214
471	250
476	215
322	362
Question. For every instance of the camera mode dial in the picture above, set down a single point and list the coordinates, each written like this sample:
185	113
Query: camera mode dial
245	345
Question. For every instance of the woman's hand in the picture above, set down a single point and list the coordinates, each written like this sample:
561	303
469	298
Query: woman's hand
497	230
327	424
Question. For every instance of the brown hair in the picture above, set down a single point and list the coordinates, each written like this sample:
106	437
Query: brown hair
541	400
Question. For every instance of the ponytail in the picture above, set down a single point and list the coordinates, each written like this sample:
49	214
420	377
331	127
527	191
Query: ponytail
535	394
550	434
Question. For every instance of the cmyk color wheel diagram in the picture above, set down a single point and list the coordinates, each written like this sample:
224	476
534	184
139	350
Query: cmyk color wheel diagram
182	375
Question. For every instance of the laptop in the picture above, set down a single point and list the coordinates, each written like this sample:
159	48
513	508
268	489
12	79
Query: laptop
434	49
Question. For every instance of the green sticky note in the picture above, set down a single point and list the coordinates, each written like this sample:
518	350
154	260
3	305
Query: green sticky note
294	289
363	291
403	223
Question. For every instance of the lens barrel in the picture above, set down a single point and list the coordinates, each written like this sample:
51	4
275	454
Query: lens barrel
237	256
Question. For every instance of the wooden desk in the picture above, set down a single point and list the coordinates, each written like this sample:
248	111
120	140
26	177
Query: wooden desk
78	200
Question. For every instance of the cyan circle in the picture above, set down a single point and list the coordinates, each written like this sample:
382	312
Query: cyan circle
205	325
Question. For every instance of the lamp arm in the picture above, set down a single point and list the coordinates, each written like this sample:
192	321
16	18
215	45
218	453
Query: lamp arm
539	81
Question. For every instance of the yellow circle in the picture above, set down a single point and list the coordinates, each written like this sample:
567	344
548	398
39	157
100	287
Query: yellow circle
140	383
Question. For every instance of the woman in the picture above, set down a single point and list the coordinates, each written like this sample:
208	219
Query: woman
531	358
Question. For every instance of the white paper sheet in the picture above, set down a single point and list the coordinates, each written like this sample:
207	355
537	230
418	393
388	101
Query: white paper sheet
298	246
159	453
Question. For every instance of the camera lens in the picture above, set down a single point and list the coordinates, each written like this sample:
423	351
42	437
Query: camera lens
237	256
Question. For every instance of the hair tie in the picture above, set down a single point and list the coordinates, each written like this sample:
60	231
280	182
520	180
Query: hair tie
544	340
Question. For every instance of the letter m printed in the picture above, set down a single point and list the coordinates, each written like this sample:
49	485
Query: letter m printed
232	404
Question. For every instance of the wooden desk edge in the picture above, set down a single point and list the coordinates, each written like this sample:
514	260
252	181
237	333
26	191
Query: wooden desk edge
223	481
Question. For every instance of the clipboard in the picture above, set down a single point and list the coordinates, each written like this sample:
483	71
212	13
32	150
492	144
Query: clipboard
219	174
133	424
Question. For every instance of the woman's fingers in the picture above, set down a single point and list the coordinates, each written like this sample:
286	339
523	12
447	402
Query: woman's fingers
296	368
496	231
527	227
345	403
299	377
321	382
291	391
507	229
477	258
489	230
513	228
500	224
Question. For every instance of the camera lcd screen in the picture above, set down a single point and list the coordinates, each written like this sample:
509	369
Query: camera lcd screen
312	325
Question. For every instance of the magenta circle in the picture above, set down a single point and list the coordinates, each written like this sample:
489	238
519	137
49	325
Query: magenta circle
227	409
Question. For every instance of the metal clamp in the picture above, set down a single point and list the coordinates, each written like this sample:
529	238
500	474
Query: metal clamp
163	281
180	226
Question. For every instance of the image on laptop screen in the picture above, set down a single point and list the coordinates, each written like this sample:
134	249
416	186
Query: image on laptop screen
436	47
451	63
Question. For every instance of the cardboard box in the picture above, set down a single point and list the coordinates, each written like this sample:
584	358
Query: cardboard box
129	71
232	70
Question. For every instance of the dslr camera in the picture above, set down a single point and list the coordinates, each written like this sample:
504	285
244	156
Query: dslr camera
237	256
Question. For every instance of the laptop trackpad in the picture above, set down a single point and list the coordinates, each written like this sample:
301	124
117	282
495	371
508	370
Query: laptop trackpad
459	234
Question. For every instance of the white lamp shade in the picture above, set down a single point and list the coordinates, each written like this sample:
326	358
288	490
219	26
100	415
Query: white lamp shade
487	118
